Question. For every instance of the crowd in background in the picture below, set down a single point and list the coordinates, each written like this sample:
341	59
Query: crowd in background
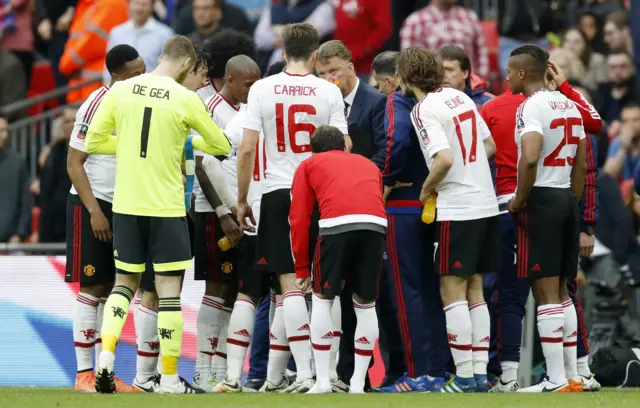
591	40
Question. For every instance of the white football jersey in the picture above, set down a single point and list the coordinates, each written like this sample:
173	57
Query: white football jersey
100	168
448	119
558	120
234	132
207	91
204	92
287	109
221	112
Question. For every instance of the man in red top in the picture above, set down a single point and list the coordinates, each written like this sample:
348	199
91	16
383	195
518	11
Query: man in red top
512	292
353	221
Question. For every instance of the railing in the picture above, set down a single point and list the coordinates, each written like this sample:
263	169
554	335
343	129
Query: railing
57	248
27	136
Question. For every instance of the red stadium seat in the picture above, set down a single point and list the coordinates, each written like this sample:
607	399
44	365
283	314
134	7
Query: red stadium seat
41	82
492	39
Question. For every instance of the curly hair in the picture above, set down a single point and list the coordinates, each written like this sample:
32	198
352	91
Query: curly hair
420	68
202	58
225	44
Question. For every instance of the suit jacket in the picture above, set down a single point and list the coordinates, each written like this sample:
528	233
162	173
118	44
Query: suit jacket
366	124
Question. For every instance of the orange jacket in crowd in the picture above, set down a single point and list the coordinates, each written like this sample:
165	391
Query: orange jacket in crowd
86	48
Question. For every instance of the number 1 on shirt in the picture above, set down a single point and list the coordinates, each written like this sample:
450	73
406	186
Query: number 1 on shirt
144	134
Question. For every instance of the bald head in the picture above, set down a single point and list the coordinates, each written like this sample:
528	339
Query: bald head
240	73
241	64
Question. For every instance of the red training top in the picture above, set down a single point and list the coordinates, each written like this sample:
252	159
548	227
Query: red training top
348	189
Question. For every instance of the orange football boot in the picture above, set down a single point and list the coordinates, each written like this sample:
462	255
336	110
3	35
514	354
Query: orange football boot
85	382
576	386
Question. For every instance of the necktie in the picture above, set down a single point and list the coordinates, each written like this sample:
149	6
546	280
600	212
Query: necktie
346	109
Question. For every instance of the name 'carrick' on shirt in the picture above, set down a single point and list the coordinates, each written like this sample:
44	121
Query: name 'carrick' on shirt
288	108
152	116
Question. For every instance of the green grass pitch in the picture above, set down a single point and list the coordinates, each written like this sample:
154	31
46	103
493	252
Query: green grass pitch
18	397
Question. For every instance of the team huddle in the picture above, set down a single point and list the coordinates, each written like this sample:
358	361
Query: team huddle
282	208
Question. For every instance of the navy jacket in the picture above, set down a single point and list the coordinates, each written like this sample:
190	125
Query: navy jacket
404	160
590	200
366	124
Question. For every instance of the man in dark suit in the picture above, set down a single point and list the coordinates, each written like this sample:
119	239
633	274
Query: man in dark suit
363	104
364	108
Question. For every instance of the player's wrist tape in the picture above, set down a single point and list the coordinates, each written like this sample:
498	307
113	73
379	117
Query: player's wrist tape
222	210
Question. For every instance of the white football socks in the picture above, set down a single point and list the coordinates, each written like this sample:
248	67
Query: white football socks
364	342
148	343
279	352
481	332
551	328
570	341
296	322
208	326
239	336
85	330
459	335
322	339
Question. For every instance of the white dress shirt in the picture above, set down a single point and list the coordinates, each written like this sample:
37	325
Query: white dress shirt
351	97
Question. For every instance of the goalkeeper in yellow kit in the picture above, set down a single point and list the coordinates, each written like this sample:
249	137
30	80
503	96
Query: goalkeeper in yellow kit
151	116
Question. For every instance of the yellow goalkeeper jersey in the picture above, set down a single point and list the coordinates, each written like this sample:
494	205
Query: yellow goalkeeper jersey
151	116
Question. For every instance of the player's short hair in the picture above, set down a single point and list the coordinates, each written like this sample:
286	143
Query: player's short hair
455	53
327	138
619	18
630	105
179	47
202	58
118	56
385	63
540	56
275	68
300	41
421	68
226	44
334	48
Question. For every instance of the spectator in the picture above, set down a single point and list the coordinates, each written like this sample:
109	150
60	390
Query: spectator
18	37
594	63
568	62
320	13
15	201
54	181
591	26
624	151
443	23
229	16
617	34
13	83
520	22
84	53
55	20
143	32
620	88
353	17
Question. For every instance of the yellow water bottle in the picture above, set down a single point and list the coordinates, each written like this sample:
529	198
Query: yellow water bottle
224	244
429	211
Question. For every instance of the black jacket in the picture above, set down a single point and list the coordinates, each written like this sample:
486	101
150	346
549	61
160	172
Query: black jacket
366	124
15	199
54	190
